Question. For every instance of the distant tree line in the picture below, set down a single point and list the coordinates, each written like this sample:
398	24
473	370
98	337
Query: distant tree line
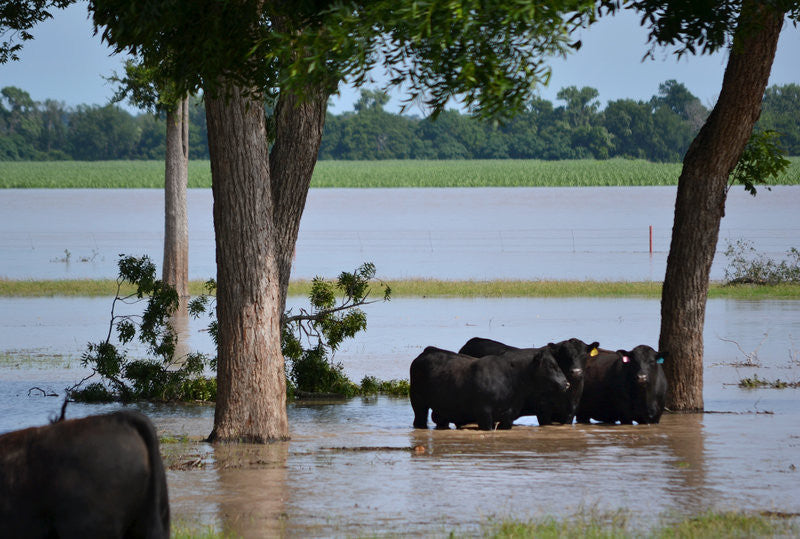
657	130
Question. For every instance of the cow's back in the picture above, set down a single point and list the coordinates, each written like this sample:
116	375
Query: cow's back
440	380
479	347
100	476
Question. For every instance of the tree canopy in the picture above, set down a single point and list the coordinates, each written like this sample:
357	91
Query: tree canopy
17	18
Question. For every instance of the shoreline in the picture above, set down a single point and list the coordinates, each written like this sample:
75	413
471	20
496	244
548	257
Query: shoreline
431	288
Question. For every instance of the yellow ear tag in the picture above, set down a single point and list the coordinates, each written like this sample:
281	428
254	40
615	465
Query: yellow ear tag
594	352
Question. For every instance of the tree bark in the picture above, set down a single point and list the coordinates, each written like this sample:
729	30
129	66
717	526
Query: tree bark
298	124
251	385
700	202
176	224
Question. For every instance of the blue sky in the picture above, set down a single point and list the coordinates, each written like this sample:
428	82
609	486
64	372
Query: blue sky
66	62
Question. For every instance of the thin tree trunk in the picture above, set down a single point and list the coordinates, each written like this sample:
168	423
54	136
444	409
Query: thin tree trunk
700	203
299	126
176	224
251	385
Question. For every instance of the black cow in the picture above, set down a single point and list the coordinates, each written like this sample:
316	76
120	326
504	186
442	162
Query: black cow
624	386
571	356
462	389
101	476
479	347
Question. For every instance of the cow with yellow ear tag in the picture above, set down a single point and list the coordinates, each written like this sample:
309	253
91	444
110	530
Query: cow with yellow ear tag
571	356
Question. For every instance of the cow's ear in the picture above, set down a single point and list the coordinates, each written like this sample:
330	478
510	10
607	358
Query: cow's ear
624	355
593	349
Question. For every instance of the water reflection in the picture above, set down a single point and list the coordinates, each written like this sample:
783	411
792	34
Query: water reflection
252	489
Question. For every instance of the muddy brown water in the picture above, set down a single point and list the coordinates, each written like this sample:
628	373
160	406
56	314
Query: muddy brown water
372	474
358	468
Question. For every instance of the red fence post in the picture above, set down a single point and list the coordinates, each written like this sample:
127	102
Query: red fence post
651	239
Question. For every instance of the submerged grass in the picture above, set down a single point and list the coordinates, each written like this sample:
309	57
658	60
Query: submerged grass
36	359
431	288
357	174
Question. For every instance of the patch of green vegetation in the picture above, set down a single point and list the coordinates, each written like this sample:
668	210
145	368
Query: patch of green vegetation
184	530
748	266
434	288
755	382
33	359
73	288
367	174
711	524
372	386
590	524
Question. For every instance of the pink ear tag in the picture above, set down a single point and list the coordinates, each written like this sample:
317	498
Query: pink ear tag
626	359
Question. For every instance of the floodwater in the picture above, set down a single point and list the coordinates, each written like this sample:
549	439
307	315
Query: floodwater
357	467
470	233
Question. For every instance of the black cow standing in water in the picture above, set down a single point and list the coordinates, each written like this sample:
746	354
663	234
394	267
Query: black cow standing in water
479	347
624	386
100	476
571	356
491	390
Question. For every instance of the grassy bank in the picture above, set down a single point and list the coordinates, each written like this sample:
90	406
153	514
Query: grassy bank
711	525
411	173
433	288
708	525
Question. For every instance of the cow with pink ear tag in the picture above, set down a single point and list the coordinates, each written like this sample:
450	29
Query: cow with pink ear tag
624	386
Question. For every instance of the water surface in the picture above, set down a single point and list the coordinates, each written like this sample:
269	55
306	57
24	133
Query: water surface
358	468
453	233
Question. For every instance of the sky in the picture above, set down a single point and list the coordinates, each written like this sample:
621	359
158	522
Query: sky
66	62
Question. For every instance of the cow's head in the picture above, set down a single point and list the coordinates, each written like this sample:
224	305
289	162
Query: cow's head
547	375
572	356
643	372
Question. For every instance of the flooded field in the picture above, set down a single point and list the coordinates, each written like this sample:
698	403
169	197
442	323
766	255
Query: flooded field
471	233
357	467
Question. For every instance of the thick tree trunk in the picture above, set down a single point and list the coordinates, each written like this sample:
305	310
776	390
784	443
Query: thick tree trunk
298	126
251	386
700	203
176	224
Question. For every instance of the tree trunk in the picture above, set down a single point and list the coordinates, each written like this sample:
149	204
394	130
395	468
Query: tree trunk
251	385
298	126
700	203
176	225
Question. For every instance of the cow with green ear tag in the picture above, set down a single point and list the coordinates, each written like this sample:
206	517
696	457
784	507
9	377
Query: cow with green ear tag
624	386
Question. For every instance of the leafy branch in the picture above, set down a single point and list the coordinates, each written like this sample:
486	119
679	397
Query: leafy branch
160	375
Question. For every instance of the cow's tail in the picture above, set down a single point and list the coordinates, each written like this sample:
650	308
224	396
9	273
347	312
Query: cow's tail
157	519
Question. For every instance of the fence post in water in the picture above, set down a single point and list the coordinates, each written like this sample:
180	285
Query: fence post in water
651	239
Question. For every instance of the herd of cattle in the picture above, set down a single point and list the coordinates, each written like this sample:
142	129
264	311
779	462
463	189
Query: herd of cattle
492	384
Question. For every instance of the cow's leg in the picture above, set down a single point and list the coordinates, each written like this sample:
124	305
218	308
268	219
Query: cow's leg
505	423
544	417
484	418
420	415
441	423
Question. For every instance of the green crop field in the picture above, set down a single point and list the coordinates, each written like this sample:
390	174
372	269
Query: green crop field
497	173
